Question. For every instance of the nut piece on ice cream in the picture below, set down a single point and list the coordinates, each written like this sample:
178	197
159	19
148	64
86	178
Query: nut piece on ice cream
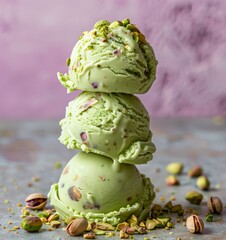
111	58
99	189
111	124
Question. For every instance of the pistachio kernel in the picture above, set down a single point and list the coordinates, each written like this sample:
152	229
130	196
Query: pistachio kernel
172	181
194	197
150	224
123	235
31	224
53	217
101	23
131	27
203	183
105	226
209	217
115	24
55	223
175	168
68	61
89	235
125	22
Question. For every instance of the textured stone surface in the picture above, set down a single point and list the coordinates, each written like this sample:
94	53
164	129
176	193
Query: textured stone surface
30	149
189	39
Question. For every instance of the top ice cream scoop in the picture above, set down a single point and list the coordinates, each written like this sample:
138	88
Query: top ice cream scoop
113	57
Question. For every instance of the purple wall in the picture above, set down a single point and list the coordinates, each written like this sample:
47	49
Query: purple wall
189	38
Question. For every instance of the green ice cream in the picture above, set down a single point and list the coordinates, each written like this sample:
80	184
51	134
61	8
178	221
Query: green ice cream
112	124
95	187
111	58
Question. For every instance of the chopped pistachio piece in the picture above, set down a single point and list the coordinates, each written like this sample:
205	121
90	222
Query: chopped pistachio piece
101	23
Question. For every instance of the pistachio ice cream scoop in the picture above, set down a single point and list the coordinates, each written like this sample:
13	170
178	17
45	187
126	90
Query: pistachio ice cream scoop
111	124
113	57
99	189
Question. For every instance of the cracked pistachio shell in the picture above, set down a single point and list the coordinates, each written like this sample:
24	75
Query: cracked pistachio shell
194	224
36	201
215	205
77	227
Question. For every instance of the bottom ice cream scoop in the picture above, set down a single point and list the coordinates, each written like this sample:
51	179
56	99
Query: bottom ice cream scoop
95	187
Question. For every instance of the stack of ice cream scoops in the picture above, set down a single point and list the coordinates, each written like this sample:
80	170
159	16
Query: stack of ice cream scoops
108	124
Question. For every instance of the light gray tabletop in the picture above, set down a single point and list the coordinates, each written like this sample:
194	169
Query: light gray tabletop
29	152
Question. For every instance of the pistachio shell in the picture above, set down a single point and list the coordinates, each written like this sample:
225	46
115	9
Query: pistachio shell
77	226
195	172
194	224
215	205
35	195
36	201
105	226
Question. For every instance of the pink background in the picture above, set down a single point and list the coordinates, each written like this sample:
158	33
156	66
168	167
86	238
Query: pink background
188	36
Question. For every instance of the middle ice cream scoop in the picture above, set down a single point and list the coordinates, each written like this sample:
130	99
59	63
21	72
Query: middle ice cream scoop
110	124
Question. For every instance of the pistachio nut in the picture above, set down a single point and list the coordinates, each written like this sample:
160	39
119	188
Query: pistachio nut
203	183
175	168
31	224
68	61
133	219
36	201
141	230
142	224
89	235
194	197
195	171
209	217
167	207
172	181
115	24
99	232
77	226
194	224
163	220
157	207
123	235
55	223
120	226
101	23
53	217
215	205
128	230
126	21
105	226
150	224
176	208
